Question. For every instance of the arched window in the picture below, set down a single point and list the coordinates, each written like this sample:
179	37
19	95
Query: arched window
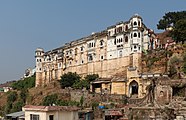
120	53
82	48
126	27
121	40
135	34
135	47
101	42
109	33
139	23
90	57
131	35
139	35
135	23
76	51
114	41
126	39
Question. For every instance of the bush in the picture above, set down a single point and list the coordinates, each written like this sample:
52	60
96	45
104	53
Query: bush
81	101
12	96
95	105
68	79
17	106
174	60
85	83
53	99
50	99
23	95
8	107
91	77
81	84
24	84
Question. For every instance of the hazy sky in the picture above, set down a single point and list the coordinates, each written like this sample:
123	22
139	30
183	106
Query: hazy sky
28	24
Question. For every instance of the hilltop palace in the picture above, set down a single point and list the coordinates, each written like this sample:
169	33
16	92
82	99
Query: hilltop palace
114	54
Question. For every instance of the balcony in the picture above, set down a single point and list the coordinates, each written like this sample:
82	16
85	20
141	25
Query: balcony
119	46
69	56
135	41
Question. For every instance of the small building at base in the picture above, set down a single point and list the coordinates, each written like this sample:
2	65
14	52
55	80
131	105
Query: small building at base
50	112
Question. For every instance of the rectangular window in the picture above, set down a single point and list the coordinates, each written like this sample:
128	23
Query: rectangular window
51	117
34	117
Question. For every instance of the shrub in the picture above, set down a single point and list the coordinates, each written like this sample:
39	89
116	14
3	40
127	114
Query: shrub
81	84
24	84
184	67
8	107
68	79
53	99
50	99
17	106
12	96
91	77
94	105
81	101
23	95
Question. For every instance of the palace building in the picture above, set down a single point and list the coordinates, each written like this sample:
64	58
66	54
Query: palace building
114	54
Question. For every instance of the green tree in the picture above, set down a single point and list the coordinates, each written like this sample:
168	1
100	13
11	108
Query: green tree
50	99
91	77
8	107
17	106
12	96
179	31
68	79
173	65
23	95
24	84
85	83
170	19
81	84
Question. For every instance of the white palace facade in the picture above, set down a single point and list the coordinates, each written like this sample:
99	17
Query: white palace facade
108	53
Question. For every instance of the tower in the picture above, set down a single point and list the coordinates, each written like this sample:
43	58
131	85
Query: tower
39	67
136	34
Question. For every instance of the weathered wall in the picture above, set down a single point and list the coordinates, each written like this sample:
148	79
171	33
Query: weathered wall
163	94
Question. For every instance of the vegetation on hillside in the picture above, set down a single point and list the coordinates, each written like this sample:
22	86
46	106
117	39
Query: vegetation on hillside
53	99
176	20
16	99
170	19
68	79
74	80
24	84
179	31
15	102
155	60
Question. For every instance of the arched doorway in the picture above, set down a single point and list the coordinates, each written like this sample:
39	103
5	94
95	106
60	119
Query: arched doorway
133	89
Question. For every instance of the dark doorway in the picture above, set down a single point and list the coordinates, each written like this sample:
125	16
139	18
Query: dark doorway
51	117
133	88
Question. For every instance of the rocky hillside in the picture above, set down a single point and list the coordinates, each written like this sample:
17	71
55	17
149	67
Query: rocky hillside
160	60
